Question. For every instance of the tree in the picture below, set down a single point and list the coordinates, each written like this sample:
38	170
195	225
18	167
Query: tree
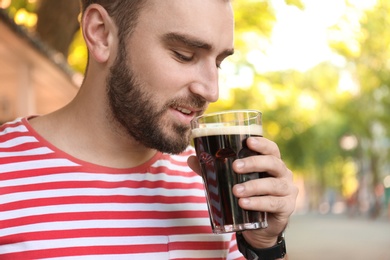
367	54
310	114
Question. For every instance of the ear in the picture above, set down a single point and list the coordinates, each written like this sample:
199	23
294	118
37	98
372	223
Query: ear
99	32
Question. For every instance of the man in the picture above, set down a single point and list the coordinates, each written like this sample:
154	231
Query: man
106	176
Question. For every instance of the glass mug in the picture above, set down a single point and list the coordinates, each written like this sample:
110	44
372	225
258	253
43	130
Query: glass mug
219	139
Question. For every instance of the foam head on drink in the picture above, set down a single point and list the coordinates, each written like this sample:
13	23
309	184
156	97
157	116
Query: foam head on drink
256	130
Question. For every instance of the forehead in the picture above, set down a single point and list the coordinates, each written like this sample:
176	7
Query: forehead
211	20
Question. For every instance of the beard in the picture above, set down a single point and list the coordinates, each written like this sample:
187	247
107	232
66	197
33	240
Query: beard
137	112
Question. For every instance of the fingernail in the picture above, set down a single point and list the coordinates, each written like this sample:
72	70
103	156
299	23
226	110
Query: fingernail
244	201
240	188
254	141
239	164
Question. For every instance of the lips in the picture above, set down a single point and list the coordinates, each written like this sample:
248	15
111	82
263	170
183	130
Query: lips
184	110
189	107
186	114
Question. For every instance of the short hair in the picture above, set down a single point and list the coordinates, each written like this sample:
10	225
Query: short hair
125	13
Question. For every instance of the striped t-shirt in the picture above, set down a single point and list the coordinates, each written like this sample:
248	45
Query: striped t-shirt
54	206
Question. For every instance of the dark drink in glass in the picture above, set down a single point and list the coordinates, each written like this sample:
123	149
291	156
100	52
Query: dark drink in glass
219	140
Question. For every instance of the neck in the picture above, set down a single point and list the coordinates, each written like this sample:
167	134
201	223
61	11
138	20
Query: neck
83	130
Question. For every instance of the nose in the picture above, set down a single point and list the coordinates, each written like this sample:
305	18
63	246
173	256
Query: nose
206	82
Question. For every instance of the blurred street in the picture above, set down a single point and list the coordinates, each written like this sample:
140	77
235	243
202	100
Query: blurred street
334	237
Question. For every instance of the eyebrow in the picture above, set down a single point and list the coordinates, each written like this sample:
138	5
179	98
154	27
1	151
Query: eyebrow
193	42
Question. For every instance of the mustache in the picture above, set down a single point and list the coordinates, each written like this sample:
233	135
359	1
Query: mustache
195	102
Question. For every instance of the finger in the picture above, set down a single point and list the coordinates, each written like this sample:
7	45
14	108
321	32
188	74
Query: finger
262	163
193	163
264	146
264	186
270	204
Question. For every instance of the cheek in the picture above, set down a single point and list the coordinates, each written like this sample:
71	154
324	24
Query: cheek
161	74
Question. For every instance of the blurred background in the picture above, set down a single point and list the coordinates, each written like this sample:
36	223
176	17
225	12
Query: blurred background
318	70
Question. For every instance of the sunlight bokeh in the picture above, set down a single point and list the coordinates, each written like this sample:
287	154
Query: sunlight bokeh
23	17
299	41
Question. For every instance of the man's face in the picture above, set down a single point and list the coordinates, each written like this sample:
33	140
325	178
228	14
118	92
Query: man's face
168	71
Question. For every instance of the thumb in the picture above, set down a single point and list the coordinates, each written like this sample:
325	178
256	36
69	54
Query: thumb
193	163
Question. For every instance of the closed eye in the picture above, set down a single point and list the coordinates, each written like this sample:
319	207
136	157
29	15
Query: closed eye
182	57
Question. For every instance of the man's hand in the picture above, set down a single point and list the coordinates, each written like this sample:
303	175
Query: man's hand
275	195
